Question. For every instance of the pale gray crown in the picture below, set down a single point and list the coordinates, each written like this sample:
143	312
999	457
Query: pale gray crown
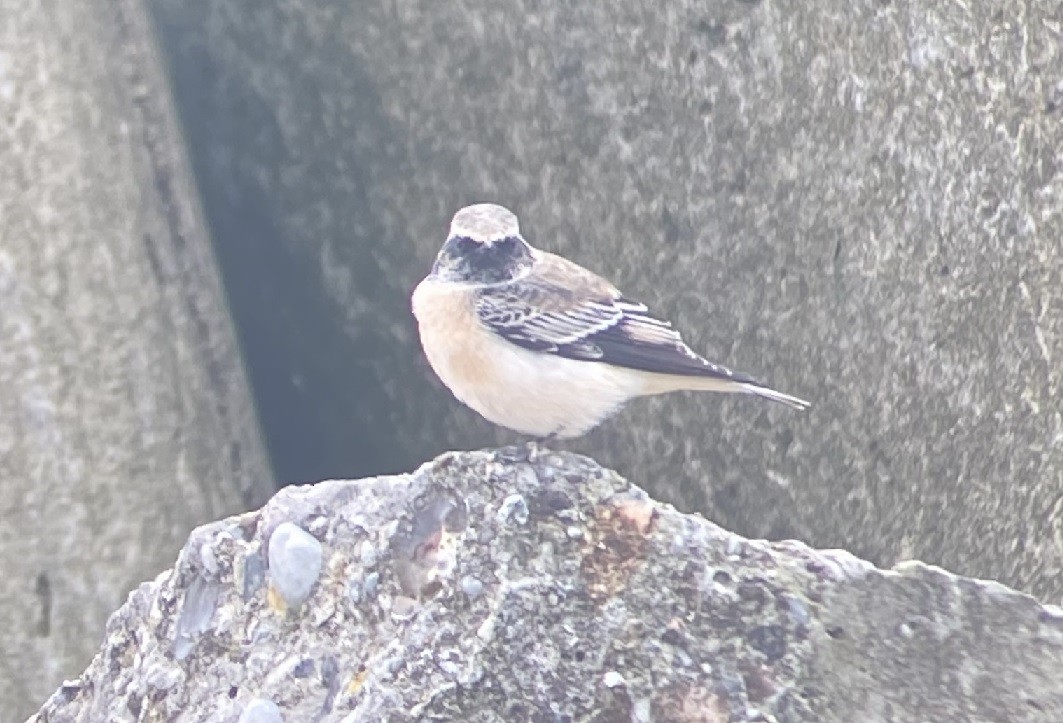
485	222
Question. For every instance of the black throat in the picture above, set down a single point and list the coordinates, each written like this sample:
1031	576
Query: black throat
473	262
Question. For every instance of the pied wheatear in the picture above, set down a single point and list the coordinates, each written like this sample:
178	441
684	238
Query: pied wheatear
541	345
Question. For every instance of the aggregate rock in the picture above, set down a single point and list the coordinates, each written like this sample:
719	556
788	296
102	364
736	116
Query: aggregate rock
597	603
859	200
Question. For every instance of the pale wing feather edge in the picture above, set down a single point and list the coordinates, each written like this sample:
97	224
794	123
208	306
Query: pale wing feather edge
614	330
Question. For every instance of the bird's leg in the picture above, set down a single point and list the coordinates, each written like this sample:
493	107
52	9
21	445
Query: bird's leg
526	451
536	445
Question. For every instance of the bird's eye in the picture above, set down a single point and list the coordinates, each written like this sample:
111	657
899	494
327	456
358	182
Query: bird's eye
466	245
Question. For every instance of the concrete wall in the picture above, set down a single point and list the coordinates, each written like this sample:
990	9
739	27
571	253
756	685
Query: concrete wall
125	418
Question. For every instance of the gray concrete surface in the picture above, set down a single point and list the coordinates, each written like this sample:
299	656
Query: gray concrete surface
861	202
125	417
503	586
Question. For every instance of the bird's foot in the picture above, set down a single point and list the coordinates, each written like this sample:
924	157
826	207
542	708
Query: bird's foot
538	445
528	451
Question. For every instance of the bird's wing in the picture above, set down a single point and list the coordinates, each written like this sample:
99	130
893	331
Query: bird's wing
561	308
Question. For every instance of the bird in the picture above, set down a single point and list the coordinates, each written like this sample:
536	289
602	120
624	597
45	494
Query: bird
538	344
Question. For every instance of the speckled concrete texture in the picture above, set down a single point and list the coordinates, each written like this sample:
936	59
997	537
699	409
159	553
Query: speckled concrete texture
125	416
861	202
527	585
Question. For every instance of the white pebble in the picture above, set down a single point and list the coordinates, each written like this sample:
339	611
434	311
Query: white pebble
472	587
514	508
294	562
261	710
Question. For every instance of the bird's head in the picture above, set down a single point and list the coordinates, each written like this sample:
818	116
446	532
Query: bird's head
484	247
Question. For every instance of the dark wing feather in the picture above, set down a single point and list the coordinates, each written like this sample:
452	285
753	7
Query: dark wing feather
642	341
574	314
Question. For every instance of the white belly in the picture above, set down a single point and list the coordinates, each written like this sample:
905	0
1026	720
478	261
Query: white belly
529	392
